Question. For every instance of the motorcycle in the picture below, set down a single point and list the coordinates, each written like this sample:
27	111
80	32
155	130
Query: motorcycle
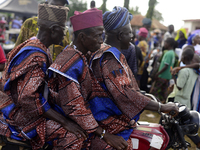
170	133
147	136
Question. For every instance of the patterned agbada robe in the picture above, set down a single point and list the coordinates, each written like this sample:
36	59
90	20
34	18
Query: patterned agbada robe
21	113
70	87
73	87
124	102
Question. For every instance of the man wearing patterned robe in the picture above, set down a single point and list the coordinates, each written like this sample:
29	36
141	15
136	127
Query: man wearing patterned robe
124	102
72	84
24	113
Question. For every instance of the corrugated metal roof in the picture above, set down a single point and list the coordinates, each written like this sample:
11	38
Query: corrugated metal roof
26	7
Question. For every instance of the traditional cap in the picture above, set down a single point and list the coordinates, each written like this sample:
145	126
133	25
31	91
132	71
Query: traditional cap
146	21
87	19
3	22
157	31
143	32
191	38
52	13
116	18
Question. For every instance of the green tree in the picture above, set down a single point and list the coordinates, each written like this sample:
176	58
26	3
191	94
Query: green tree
77	5
40	1
103	6
157	15
150	12
135	10
126	4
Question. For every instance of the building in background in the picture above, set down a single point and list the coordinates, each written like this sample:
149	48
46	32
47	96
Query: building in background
191	25
136	23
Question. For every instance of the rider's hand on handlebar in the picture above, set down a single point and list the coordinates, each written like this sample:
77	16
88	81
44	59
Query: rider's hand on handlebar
170	108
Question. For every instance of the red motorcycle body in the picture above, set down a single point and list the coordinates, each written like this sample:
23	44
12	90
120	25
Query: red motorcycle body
149	136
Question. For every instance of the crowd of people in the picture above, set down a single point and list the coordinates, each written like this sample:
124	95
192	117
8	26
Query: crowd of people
84	93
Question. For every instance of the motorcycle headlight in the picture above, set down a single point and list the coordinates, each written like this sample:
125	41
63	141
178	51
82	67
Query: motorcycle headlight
189	121
184	115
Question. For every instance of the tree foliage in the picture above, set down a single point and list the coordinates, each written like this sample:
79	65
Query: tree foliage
103	6
135	10
41	1
157	15
150	12
126	4
77	5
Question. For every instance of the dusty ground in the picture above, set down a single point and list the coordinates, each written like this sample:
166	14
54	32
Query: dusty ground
156	119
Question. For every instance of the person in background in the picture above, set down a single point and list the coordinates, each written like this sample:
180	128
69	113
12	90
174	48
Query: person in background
194	64
30	29
2	65
163	76
147	23
2	54
138	52
157	38
142	35
169	34
27	114
131	58
71	83
185	80
2	59
16	23
92	4
195	41
117	112
2	31
186	83
181	37
139	56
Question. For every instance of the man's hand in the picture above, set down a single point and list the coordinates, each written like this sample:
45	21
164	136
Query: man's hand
156	76
170	108
115	141
74	128
170	88
175	70
66	123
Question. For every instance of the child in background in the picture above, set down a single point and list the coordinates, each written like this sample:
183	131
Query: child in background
186	80
163	76
184	85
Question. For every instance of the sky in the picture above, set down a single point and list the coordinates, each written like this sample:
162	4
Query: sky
173	11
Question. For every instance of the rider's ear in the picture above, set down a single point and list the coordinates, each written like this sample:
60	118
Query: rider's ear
120	35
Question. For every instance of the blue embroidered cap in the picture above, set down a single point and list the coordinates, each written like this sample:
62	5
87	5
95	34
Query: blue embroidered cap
146	21
116	18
